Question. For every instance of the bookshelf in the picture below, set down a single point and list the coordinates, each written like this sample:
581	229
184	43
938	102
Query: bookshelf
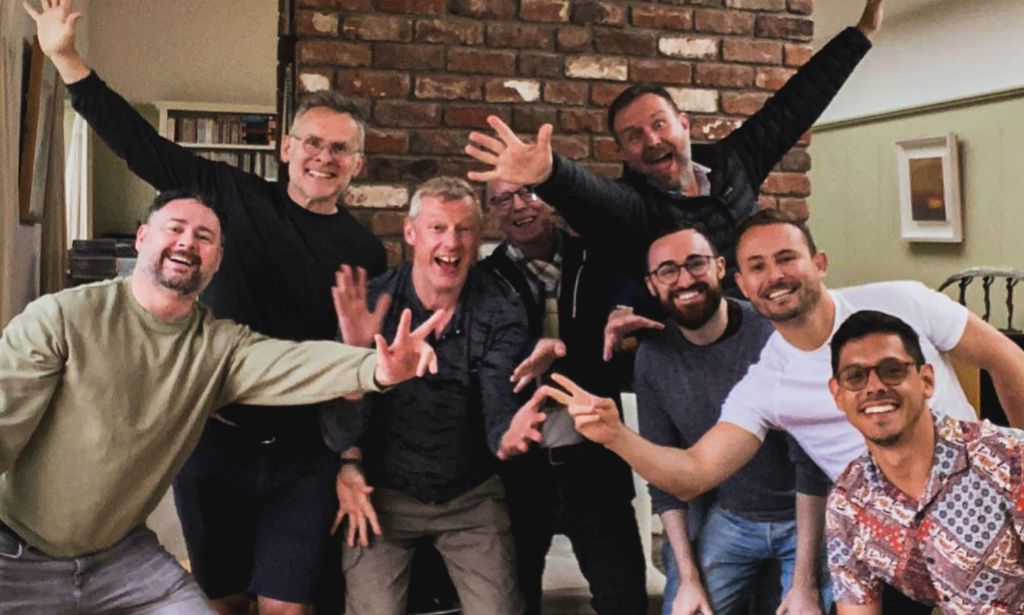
244	136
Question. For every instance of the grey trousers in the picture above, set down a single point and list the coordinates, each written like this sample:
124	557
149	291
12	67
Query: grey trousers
473	535
136	576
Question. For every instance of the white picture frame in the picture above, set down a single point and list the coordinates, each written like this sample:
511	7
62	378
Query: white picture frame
929	183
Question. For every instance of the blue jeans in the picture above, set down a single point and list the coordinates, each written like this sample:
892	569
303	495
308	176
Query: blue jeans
136	576
732	551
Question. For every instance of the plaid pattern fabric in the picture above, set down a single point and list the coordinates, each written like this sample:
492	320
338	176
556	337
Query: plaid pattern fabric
959	548
545	277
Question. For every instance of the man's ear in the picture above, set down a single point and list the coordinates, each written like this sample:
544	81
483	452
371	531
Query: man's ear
684	120
140	235
928	378
821	262
358	161
738	278
286	148
650	286
408	231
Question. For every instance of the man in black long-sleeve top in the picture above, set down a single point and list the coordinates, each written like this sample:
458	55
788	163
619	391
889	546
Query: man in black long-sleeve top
257	498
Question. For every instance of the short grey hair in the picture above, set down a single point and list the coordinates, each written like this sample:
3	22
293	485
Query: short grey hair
445	188
334	101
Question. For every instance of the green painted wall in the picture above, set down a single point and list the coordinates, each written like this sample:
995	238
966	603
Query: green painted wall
855	199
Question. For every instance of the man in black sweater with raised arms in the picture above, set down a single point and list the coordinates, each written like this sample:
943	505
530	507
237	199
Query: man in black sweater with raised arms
256	499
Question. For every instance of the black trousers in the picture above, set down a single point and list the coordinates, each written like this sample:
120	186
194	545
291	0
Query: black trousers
895	603
585	493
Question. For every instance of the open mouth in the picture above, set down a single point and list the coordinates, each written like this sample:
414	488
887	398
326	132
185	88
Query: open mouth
689	295
520	223
448	264
319	174
879	408
779	292
181	260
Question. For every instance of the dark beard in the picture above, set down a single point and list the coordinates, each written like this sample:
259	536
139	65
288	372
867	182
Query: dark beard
183	286
697	315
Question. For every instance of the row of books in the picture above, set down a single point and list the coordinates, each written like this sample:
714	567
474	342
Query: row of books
263	164
222	128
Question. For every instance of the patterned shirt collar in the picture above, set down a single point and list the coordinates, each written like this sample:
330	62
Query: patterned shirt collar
546	272
950	458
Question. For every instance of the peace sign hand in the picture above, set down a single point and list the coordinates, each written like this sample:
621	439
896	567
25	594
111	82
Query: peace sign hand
596	418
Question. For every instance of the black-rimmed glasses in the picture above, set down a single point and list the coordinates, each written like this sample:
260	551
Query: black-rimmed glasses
668	272
504	200
890	371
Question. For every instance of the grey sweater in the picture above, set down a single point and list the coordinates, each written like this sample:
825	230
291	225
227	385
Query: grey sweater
680	388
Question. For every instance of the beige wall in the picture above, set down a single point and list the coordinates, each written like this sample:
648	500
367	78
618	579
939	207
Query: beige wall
855	201
186	50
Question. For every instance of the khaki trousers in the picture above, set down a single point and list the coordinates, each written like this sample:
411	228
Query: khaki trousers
471	532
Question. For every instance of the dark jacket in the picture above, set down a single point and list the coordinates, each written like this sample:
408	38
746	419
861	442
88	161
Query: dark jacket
434	438
587	289
625	216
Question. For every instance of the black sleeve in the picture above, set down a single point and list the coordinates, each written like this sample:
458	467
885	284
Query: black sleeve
161	163
598	209
766	136
810	480
507	346
342	422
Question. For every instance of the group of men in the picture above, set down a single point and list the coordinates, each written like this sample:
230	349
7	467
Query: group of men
448	449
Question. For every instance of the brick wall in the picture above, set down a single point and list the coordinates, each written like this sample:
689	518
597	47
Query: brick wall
426	72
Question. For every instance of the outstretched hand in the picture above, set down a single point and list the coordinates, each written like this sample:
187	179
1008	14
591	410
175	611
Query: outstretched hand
354	503
523	429
356	322
538	363
871	20
511	159
623	322
409	355
596	418
55	30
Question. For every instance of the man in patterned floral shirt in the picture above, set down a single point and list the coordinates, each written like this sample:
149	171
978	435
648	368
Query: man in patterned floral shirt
936	507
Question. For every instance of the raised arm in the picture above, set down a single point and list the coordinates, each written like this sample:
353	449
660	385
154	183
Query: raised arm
55	29
982	346
723	450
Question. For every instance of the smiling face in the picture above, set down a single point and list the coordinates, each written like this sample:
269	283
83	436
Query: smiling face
655	140
179	247
445	236
690	300
320	178
524	219
886	414
778	273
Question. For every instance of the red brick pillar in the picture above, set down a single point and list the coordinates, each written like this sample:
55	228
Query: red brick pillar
426	72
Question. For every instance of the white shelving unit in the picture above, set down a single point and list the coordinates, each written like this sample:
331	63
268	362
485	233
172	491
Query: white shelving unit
244	136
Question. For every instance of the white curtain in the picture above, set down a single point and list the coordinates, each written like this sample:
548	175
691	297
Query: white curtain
76	182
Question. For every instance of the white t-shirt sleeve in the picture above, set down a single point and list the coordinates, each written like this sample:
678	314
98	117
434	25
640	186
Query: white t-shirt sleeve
748	402
943	320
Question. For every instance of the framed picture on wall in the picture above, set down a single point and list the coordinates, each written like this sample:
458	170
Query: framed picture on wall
929	179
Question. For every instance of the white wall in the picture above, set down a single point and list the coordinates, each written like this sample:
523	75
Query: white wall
943	50
185	50
196	50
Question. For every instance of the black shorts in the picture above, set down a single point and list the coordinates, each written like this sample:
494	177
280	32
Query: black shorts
256	516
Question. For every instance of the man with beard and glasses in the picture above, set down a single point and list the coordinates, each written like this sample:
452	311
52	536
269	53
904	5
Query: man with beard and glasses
782	273
257	498
104	391
668	182
565	484
935	506
683	374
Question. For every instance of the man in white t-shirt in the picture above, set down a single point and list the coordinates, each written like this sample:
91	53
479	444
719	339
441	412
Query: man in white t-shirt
781	273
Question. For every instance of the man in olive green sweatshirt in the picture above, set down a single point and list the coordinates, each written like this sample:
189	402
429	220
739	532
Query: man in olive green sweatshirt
104	390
